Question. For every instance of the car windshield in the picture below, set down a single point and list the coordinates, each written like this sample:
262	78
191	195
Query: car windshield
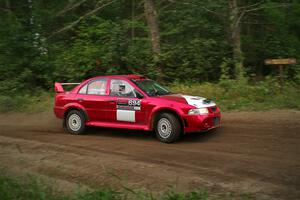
151	87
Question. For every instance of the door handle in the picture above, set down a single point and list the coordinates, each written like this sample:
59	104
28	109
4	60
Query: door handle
80	99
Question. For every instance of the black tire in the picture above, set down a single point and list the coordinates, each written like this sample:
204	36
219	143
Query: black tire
75	122
167	128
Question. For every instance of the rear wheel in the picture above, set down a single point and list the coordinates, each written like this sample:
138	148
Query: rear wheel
168	128
75	122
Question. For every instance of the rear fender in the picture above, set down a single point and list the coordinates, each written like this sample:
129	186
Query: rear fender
75	106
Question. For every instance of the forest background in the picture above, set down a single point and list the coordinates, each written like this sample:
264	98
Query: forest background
211	48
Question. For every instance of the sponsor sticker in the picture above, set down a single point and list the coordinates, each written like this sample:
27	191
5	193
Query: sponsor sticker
130	104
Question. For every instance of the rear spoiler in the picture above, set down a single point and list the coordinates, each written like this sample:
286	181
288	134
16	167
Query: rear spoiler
59	86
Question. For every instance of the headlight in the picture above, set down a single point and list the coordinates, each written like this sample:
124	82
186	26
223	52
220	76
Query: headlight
198	111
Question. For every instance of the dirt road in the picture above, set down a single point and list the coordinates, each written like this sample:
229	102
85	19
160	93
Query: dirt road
254	152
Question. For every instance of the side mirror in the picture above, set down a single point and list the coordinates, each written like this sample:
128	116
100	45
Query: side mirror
138	94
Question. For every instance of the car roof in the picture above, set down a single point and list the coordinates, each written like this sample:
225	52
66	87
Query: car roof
128	76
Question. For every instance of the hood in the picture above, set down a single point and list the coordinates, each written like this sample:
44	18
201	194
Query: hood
198	102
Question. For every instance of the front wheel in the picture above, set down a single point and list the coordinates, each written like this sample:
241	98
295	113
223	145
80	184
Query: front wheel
75	122
168	128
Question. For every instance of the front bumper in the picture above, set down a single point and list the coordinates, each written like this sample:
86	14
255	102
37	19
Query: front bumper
196	123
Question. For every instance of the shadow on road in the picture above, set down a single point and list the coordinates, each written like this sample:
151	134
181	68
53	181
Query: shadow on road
201	136
149	135
120	133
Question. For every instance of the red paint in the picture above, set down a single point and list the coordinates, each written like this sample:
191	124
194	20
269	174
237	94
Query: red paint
173	97
102	110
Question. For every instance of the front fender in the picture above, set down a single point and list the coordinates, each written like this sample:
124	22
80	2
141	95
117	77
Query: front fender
158	110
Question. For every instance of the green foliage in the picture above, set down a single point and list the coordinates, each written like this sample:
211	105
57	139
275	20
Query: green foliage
34	188
239	95
194	195
275	34
29	103
228	94
102	48
195	45
12	188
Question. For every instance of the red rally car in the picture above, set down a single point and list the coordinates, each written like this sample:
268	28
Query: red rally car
133	102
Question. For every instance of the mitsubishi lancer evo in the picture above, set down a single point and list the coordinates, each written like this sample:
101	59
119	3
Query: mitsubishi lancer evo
133	102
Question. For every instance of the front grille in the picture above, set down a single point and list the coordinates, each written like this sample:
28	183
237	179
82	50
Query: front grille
213	109
216	121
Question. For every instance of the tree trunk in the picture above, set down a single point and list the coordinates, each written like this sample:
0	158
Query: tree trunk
151	17
8	7
235	34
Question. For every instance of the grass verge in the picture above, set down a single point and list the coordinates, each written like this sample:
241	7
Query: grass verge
28	103
228	94
239	95
33	188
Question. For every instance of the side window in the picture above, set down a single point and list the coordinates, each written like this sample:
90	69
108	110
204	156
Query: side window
121	88
83	89
97	87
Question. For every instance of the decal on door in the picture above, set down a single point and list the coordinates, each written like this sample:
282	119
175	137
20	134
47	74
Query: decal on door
126	115
128	104
126	109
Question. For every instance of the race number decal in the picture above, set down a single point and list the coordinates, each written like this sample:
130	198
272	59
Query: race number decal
126	109
133	102
128	104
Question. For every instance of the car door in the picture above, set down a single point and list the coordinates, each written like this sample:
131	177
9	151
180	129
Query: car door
128	108
94	98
